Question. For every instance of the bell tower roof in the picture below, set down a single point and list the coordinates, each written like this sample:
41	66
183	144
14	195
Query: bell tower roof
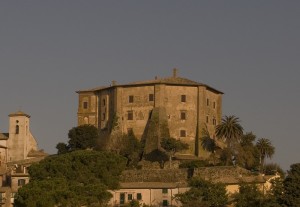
19	113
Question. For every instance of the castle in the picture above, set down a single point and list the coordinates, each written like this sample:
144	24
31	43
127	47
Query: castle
185	105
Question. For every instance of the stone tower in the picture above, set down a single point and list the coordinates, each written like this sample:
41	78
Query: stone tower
20	141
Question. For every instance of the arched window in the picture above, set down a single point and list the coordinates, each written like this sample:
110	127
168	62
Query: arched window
17	129
86	120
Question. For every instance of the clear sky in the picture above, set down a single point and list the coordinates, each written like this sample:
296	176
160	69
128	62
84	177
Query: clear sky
247	49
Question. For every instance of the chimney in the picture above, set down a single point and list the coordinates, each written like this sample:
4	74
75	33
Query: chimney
113	83
174	73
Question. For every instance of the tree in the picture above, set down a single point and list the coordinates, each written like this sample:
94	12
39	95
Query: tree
203	193
248	155
209	143
248	195
265	149
274	196
291	185
131	149
62	148
172	145
230	130
78	178
81	137
273	169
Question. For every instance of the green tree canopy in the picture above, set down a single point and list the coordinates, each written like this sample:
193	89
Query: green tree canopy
172	145
203	193
265	148
80	137
73	179
248	155
291	186
131	148
248	195
230	130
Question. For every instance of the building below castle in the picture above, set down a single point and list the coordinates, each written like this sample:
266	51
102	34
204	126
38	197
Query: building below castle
18	150
184	105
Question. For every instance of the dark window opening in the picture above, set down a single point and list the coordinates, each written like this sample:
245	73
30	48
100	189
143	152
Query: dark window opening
85	105
165	202
122	198
103	101
139	196
151	97
130	99
21	182
165	190
207	102
17	129
206	119
130	115
214	105
129	197
183	98
183	115
182	133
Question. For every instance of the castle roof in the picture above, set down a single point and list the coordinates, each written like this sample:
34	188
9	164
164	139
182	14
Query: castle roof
173	80
3	136
19	113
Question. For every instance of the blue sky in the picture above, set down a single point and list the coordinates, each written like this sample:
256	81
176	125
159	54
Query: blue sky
247	49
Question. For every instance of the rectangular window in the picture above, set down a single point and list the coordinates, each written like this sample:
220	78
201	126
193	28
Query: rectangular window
129	197
21	182
130	99
207	119
214	121
151	97
165	202
183	98
122	198
207	102
165	190
130	115
183	115
85	104
139	196
103	102
182	133
214	104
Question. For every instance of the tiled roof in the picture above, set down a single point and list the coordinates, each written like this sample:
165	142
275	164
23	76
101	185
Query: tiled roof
37	153
4	136
19	113
147	185
167	81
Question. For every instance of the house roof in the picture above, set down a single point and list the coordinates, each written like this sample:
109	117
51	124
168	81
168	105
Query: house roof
147	185
37	153
19	113
173	80
4	136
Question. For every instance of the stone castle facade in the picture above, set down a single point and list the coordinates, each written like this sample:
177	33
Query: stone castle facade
186	105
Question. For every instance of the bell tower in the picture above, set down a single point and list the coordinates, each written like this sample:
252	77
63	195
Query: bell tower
20	140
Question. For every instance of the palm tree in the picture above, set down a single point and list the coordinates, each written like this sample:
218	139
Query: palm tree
208	143
230	130
266	149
